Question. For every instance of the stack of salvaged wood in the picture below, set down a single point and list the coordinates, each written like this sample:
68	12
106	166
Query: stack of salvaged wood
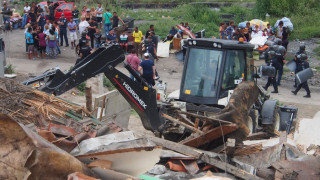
28	105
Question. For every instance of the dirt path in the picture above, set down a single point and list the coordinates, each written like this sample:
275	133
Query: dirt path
169	69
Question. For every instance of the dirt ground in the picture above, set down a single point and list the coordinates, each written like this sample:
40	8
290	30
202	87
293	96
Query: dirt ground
169	69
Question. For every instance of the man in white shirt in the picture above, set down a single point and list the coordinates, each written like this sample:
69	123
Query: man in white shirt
83	25
25	15
99	15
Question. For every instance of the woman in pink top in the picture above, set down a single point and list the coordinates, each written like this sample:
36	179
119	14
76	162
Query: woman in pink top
42	43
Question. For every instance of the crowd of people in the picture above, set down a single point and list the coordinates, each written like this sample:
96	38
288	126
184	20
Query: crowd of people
44	35
233	32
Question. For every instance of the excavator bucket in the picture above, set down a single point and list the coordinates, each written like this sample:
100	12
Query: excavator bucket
138	93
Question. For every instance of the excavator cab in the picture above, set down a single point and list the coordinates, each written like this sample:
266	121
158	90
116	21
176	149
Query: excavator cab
213	67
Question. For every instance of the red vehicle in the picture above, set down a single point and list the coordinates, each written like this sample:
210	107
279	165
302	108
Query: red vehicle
63	7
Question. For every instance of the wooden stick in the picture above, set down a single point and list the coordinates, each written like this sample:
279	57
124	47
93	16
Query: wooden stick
181	123
102	107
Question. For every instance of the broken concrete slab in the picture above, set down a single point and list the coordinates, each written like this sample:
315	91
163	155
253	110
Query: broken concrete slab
307	132
129	154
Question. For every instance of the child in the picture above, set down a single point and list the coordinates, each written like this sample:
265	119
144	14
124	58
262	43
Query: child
30	43
36	41
52	43
42	44
124	41
25	32
97	38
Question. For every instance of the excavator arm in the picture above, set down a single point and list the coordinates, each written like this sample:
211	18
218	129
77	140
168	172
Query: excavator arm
139	95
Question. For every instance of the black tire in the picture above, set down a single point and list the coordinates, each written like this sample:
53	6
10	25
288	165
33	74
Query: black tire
276	121
251	121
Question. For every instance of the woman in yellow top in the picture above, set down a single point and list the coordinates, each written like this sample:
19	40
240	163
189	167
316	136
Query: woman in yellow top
137	41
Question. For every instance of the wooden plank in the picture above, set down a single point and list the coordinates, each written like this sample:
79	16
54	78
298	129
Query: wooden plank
205	156
211	135
88	98
184	119
196	124
102	107
211	119
181	123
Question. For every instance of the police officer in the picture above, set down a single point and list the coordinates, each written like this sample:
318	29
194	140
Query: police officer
266	53
297	59
281	52
304	85
85	51
63	29
275	62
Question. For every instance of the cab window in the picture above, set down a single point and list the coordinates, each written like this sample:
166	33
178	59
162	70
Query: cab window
234	68
202	72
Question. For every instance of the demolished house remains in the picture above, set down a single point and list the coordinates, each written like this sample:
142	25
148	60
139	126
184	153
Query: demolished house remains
45	136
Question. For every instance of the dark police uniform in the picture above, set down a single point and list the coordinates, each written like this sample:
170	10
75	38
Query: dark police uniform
85	50
63	31
298	61
304	85
276	63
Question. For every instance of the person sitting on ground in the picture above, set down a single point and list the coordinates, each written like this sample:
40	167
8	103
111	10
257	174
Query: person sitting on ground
97	38
124	41
134	61
172	33
111	37
147	70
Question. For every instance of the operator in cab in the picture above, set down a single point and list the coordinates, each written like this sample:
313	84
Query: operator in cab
147	70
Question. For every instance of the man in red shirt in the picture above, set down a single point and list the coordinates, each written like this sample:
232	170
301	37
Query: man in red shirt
134	62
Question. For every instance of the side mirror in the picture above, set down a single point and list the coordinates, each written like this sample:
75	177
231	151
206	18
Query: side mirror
268	71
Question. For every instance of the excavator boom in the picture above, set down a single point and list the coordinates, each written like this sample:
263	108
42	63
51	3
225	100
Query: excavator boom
139	95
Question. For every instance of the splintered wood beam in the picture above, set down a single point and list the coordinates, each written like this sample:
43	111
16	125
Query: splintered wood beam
181	123
211	119
211	135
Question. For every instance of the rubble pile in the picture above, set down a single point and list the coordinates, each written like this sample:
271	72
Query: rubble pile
40	139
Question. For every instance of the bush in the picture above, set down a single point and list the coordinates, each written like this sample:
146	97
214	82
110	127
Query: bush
107	83
81	87
9	69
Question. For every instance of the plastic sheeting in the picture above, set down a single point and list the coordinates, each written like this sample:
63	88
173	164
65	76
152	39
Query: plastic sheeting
286	23
163	49
262	24
258	40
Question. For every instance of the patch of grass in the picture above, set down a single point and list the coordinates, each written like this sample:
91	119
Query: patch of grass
133	112
317	51
107	83
9	69
317	68
285	69
81	87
